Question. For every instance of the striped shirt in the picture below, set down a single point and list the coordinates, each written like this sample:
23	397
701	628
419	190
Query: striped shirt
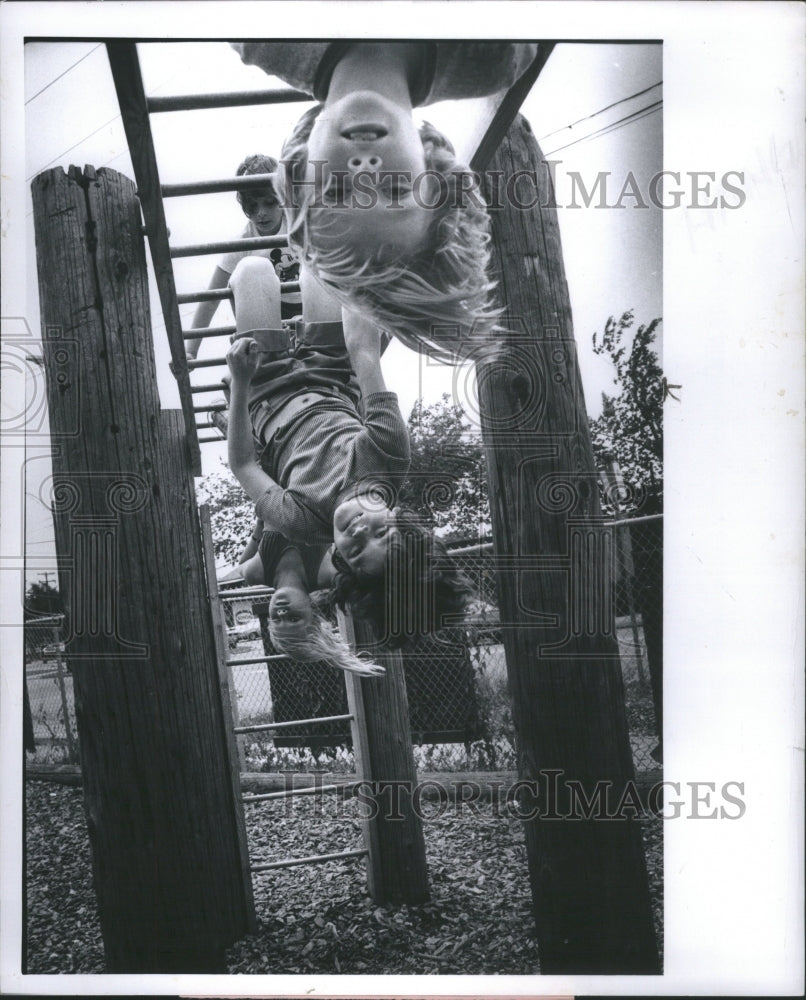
327	453
273	546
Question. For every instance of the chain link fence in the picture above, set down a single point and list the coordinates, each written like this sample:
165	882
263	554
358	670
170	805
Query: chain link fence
637	581
49	717
457	682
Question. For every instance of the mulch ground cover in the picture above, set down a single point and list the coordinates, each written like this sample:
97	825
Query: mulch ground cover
319	919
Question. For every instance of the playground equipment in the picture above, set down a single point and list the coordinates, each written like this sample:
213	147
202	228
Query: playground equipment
171	866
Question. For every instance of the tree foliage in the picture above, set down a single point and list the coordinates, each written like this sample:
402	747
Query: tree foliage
232	514
43	598
630	429
447	482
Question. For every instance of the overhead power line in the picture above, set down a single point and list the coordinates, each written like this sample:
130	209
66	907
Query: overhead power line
612	127
64	73
607	107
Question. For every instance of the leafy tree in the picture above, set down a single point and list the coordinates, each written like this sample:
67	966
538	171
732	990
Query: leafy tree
42	598
232	514
447	480
630	429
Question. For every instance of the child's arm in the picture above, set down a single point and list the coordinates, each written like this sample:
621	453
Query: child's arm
242	359
205	311
363	341
253	543
279	509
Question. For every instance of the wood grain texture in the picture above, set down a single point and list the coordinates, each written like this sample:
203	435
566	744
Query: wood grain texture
128	81
393	832
158	790
588	877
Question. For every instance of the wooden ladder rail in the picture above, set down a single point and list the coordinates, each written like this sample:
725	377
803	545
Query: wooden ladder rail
135	110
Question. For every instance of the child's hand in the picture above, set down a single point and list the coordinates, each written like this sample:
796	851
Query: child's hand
242	358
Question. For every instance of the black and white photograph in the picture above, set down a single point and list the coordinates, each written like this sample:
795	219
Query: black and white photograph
402	480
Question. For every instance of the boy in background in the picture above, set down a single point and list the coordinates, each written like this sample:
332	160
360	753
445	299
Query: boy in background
262	208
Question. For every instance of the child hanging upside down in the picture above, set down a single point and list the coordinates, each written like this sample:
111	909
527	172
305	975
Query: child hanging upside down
319	444
297	628
383	213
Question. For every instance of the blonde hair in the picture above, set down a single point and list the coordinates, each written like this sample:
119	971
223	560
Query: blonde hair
436	298
322	643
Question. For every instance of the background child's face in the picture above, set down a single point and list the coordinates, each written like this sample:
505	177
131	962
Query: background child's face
265	213
381	193
362	528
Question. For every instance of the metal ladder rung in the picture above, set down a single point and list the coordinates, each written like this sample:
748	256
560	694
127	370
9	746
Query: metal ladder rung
224	246
242	183
216	294
242	661
210	407
314	859
234	99
207	295
210	440
214	387
194	363
291	792
234	590
264	726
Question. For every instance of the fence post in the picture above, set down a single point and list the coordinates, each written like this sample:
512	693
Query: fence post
393	833
588	877
229	692
72	755
161	812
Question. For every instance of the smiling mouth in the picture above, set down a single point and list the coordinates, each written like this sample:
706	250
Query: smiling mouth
364	133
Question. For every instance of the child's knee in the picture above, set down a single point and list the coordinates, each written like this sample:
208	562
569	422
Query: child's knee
254	271
255	294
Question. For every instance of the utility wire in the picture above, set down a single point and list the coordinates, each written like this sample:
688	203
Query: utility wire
607	107
64	73
74	146
612	127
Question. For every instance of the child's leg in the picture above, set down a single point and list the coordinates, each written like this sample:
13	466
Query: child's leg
256	303
256	298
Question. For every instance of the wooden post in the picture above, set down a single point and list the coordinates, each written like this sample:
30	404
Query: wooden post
393	832
588	876
162	815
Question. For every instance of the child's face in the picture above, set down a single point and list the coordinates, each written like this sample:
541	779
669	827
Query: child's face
362	528
384	211
265	214
290	612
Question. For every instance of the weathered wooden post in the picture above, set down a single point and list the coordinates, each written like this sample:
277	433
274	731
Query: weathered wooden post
393	832
164	818
588	875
